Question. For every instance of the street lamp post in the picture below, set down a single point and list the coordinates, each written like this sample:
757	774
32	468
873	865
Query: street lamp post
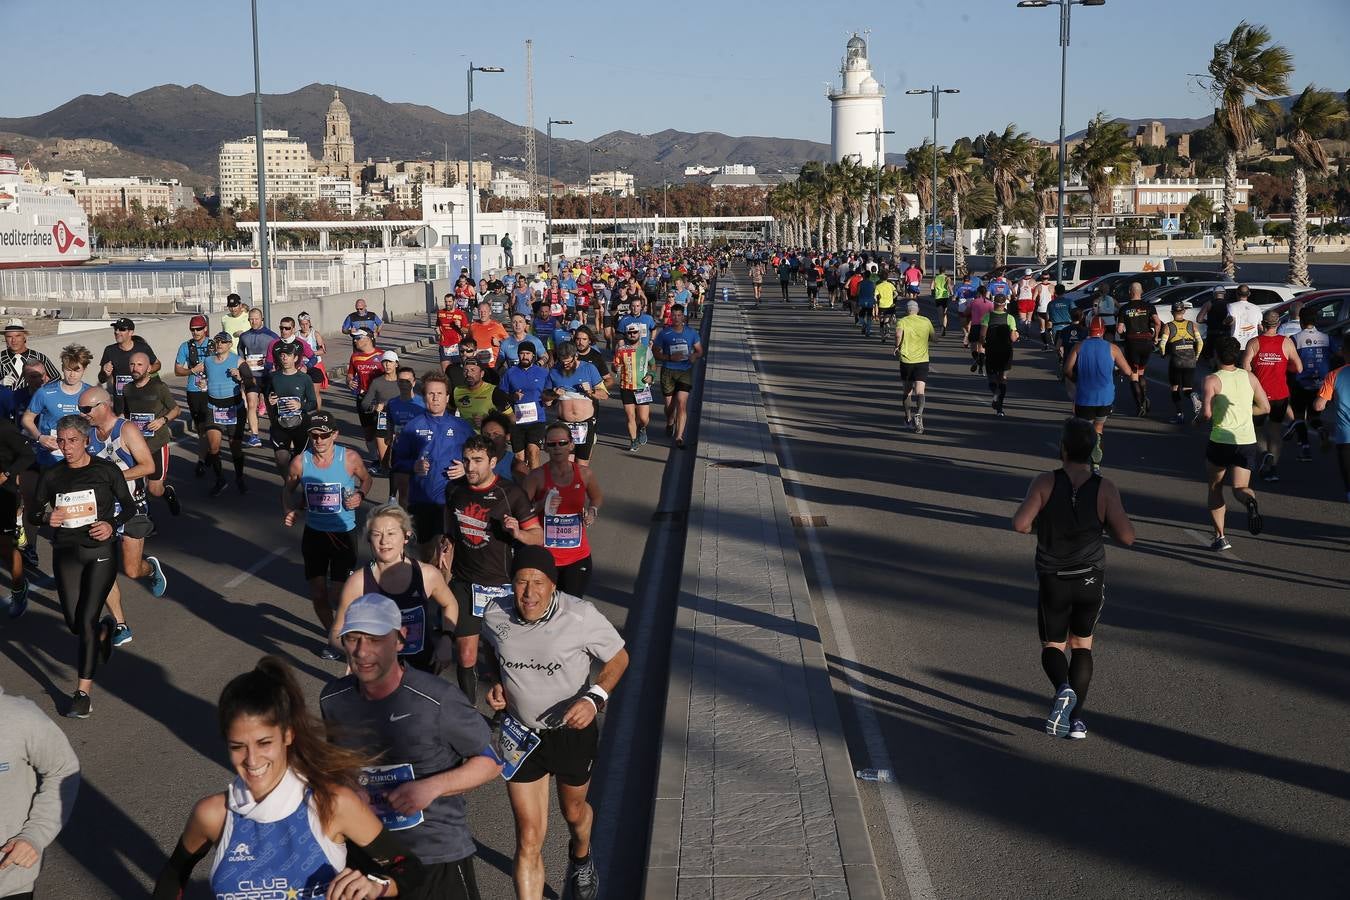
548	229
1065	9
365	278
468	126
937	93
210	247
876	232
262	179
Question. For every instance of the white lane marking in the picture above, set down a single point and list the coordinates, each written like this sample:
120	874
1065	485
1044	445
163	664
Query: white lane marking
1206	541
253	569
892	797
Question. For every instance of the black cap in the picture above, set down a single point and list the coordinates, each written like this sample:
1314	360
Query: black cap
529	556
322	421
124	324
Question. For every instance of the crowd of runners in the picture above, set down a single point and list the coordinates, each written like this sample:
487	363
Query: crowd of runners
478	565
1250	378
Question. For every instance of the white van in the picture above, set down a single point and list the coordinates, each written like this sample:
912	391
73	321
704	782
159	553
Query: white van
1078	269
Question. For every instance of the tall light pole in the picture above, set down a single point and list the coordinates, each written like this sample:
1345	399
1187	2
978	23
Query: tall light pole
937	93
548	229
262	179
468	126
1065	9
877	132
590	191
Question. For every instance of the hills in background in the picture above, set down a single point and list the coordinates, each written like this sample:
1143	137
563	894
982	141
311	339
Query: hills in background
1182	126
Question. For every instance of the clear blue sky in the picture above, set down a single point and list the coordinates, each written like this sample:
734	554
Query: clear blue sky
749	68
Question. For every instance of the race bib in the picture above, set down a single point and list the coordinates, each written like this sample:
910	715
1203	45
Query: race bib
498	307
78	507
562	532
382	421
514	744
451	352
580	431
323	497
142	421
526	413
255	362
378	782
679	350
642	397
120	382
485	593
225	415
415	621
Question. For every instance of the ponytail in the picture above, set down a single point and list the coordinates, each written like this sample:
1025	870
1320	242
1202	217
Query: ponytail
271	693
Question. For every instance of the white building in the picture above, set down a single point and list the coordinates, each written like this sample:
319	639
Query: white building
509	187
447	211
615	181
286	165
338	191
731	169
857	106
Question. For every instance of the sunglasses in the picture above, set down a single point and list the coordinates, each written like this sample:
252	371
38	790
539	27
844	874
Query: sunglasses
322	435
557	443
287	327
86	410
203	328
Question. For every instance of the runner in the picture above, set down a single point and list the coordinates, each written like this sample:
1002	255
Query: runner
784	277
1314	352
678	348
1231	397
489	334
235	321
1060	314
1244	316
16	458
913	277
150	406
381	389
998	333
1091	368
17	355
227	382
865	299
477	398
292	811
291	400
1336	389
1025	291
1181	344
1271	357
1139	326
1071	509
973	319
54	400
427	456
254	345
524	384
429	611
913	334
365	365
885	294
520	334
431	744
573	388
330	482
305	330
1213	314
638	316
555	703
114	369
1104	307
361	319
942	295
634	365
814	276
85	500
567	498
1045	294
486	518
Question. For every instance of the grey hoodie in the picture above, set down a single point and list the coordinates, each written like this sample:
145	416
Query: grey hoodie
39	778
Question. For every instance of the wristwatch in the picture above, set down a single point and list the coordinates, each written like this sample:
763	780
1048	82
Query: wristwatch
597	695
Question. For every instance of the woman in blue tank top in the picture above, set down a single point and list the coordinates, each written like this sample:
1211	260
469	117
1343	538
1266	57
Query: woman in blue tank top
283	825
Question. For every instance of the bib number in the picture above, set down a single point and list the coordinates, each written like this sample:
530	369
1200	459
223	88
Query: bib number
513	745
78	507
225	415
378	782
526	413
323	497
255	362
485	593
120	382
580	431
643	397
562	532
415	621
382	421
142	421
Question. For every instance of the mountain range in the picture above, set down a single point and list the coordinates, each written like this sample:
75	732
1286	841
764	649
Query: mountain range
1185	126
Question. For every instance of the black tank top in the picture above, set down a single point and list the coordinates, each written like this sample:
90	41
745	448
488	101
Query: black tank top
421	616
1068	531
1217	317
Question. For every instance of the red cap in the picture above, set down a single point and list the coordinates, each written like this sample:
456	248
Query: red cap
197	322
1097	327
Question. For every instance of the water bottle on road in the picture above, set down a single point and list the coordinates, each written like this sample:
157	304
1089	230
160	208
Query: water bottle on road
882	775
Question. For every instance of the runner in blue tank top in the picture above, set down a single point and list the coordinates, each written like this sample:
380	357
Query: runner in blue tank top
1091	368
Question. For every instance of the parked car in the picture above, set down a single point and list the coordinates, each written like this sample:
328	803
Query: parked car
1118	284
1332	307
1197	294
1078	270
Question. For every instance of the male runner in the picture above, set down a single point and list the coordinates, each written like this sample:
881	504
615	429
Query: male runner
361	319
1044	294
235	321
572	388
998	333
253	346
913	334
885	295
365	365
1025	290
978	307
291	400
942	294
1091	368
1314	352
150	407
1180	343
427	456
1231	397
114	369
1336	389
866	300
677	348
1139	326
524	383
1271	357
1071	508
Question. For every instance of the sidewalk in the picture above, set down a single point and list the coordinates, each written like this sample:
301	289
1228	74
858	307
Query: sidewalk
756	794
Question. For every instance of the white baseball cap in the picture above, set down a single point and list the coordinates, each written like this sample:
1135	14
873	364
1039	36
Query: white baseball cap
373	614
389	356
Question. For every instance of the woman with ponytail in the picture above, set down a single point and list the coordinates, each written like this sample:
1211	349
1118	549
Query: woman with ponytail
292	820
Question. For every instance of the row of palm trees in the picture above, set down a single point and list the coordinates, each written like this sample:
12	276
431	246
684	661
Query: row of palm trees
1014	180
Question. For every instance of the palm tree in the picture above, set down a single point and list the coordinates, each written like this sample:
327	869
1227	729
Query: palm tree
854	185
1045	182
1245	64
919	167
1005	158
1104	159
1198	214
958	165
1310	117
894	184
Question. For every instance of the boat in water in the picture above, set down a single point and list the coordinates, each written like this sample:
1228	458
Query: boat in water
39	225
149	257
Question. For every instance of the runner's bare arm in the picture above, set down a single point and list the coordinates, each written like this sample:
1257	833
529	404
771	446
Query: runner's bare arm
1111	510
1037	493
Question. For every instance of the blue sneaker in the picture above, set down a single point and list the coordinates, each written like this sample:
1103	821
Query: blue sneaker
158	583
122	634
1077	731
18	600
252	440
1058	722
330	653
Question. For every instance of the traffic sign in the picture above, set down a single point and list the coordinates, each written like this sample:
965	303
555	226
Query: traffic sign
1171	224
935	232
426	236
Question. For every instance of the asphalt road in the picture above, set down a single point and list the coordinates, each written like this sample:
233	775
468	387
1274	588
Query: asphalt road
1217	764
236	592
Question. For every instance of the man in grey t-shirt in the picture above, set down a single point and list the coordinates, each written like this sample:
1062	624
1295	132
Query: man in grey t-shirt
430	744
544	643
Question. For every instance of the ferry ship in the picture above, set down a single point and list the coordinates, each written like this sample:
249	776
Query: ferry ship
39	226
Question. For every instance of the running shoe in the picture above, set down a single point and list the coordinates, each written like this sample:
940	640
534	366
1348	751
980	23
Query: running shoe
632	446
1178	419
122	634
1272	475
18	600
252	440
1197	404
1220	543
1077	731
585	880
241	485
1305	453
158	583
1057	724
679	443
642	436
330	653
1267	463
171	498
107	629
1254	520
80	706
219	487
1000	413
974	366
201	469
909	421
918	424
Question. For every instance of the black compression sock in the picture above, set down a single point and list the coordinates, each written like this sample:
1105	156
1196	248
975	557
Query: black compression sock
1080	675
1056	666
238	465
1002	393
1301	430
213	460
468	682
1176	398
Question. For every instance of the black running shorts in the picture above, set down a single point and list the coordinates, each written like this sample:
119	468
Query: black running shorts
1070	602
567	754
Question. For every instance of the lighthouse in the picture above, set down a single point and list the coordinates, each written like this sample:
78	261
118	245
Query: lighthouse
856	106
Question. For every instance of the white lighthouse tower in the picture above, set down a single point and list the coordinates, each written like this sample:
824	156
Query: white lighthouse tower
856	106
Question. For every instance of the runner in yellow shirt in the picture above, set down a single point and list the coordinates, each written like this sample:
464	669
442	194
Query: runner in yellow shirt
913	333
885	292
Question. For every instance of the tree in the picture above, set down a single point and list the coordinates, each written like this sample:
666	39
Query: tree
1244	224
1005	159
1244	65
1104	158
958	167
1045	184
1198	215
1312	116
919	168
